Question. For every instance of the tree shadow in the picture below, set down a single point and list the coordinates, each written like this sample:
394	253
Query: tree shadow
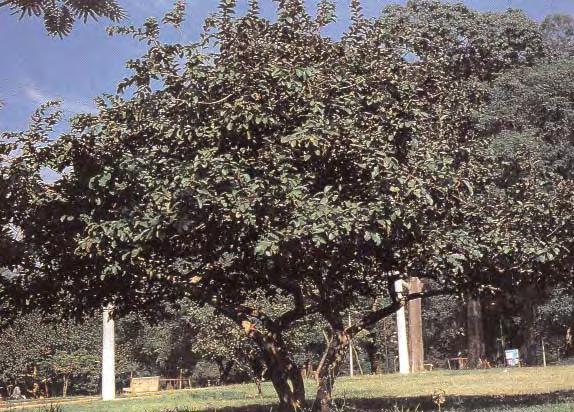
462	403
425	403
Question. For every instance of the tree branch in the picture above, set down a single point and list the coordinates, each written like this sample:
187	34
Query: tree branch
285	320
373	317
215	102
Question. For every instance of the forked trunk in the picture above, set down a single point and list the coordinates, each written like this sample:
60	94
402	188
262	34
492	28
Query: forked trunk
290	391
328	369
285	375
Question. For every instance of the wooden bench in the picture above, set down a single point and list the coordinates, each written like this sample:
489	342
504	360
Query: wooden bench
143	385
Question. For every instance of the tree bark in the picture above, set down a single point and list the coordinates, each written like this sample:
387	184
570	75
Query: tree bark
372	350
288	383
529	345
224	370
568	342
529	302
416	345
284	373
65	389
475	331
326	373
259	387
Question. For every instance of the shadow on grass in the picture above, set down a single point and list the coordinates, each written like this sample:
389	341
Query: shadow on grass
425	403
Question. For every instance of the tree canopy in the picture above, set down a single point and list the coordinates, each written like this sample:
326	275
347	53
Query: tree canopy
269	161
530	118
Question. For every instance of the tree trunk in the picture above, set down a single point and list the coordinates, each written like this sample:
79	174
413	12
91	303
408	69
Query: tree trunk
307	370
284	373
327	372
568	342
475	331
529	302
65	389
288	383
224	370
372	350
529	347
416	345
258	385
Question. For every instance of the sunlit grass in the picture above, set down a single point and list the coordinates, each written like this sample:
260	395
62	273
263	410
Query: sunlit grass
509	386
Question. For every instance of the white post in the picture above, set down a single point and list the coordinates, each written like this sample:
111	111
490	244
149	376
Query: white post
404	366
108	357
351	366
543	353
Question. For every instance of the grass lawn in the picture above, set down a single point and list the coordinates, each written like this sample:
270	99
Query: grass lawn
522	389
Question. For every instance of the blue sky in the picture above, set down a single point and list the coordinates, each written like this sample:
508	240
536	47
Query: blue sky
35	67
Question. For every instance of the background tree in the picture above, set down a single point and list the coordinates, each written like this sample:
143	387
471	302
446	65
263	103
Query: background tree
531	111
555	321
163	348
536	154
56	356
558	30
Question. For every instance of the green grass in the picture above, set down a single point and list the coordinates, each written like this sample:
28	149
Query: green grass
524	389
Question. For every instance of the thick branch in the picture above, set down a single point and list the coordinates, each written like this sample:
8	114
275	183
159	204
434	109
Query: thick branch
373	317
241	313
288	318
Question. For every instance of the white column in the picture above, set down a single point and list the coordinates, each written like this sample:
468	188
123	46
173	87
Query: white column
108	357
402	332
351	366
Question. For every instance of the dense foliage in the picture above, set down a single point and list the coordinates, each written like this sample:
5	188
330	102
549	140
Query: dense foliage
558	30
59	15
278	175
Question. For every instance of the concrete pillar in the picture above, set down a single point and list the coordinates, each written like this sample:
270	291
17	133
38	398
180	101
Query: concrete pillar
351	366
416	346
404	366
108	357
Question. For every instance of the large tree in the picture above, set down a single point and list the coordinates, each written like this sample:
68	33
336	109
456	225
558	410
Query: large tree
270	161
528	124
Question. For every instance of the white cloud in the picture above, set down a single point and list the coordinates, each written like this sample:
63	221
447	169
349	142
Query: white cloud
68	103
150	6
